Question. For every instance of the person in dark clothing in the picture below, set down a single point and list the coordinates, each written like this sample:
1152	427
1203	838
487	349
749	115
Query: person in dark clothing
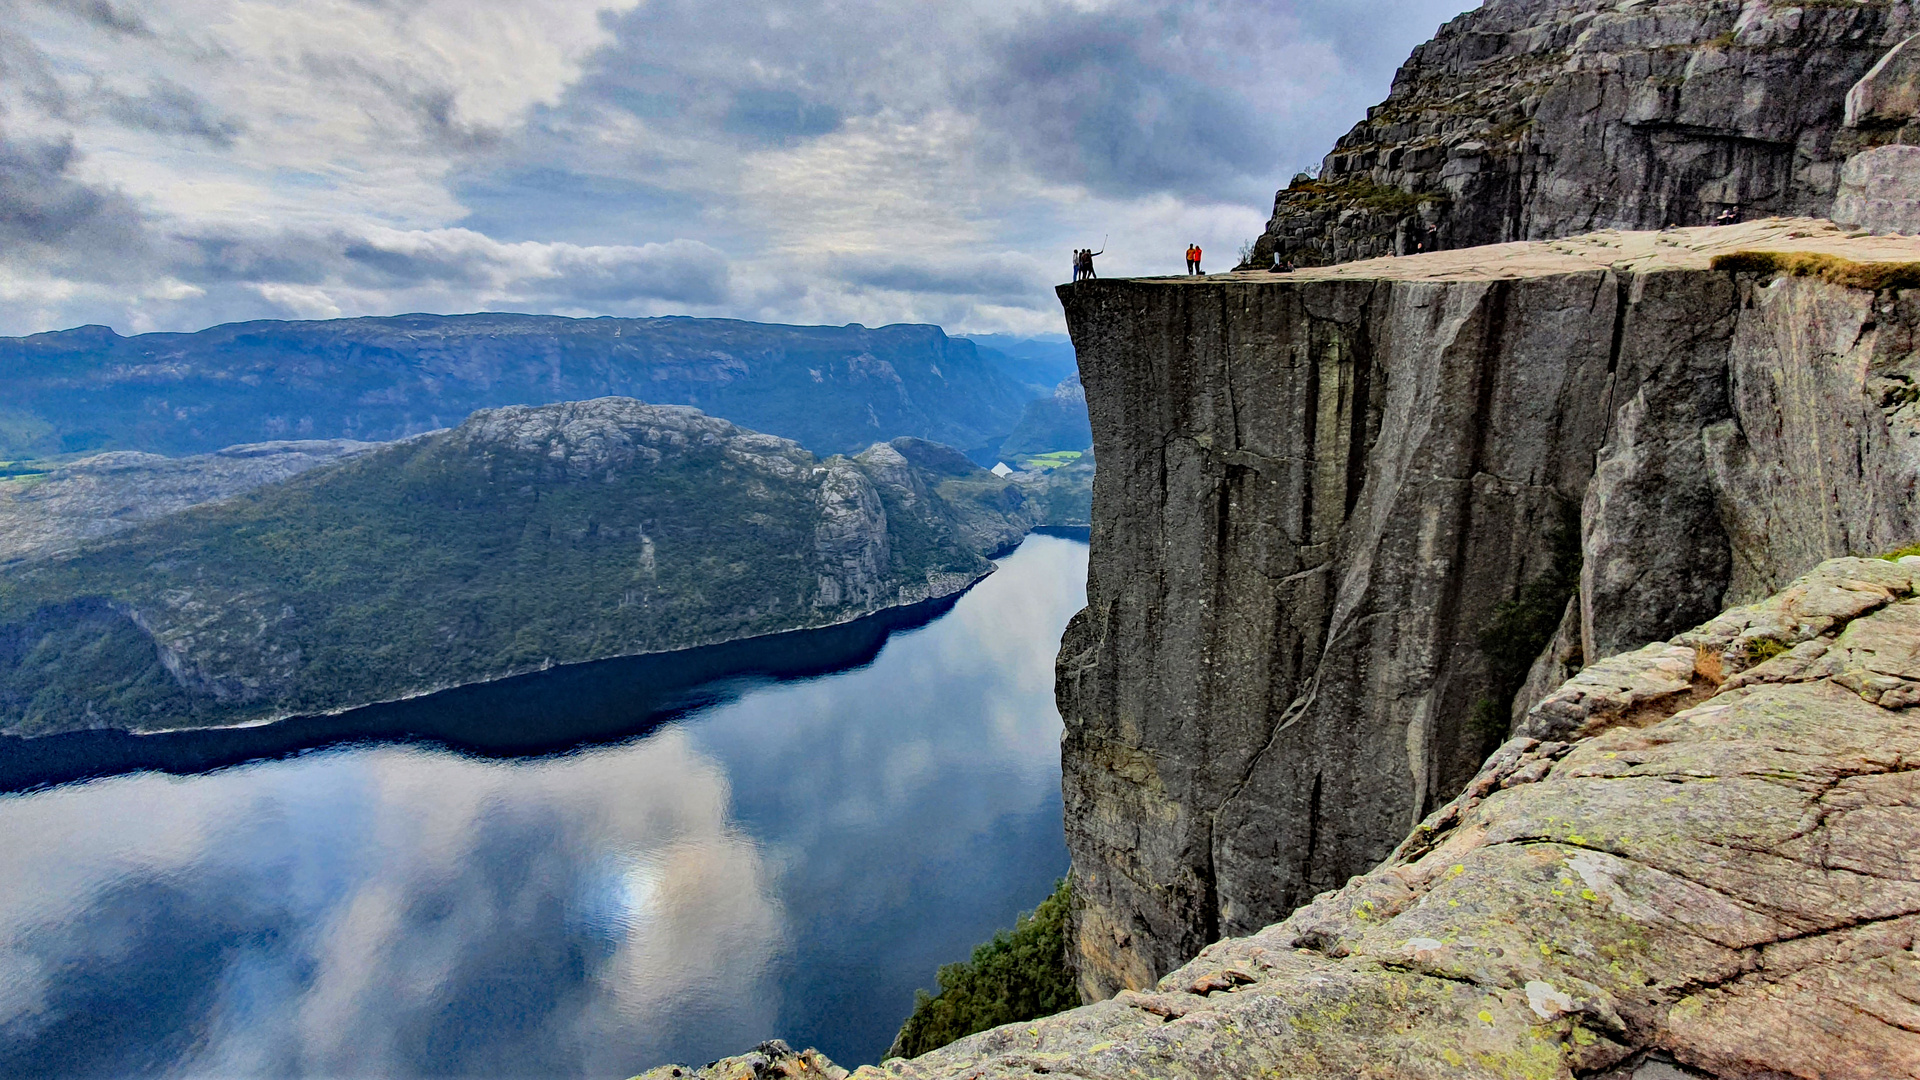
1083	263
1729	216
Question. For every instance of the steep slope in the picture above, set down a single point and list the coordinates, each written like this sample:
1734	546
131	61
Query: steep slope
1721	877
1319	492
524	538
835	389
1533	119
57	510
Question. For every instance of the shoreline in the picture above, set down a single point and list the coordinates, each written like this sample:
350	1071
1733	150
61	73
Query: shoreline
606	700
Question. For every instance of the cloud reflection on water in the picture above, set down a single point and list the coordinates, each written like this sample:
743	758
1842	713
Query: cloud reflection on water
380	912
791	863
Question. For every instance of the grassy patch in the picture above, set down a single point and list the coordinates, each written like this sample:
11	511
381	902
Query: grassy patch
1829	268
1053	460
1019	975
1762	649
1903	552
1362	193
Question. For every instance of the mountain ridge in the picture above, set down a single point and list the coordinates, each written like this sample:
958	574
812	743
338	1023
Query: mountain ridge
383	377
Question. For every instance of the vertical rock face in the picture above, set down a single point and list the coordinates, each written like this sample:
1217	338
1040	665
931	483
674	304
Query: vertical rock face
1528	119
1316	492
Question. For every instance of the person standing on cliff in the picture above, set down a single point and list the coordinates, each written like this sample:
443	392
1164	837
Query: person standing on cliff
1083	263
1193	258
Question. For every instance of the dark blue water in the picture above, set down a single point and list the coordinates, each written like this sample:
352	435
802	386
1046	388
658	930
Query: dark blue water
789	859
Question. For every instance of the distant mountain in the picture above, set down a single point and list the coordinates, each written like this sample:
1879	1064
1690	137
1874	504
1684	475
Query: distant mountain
832	389
525	537
1057	422
1038	362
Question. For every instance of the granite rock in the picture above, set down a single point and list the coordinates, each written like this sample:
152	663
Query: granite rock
1533	119
1880	190
1317	489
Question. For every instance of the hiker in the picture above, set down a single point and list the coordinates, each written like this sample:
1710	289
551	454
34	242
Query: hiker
1083	263
1193	258
1729	216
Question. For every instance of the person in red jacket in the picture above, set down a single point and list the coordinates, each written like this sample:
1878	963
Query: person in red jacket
1193	258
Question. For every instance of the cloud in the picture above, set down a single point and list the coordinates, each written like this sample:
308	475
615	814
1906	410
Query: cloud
790	160
170	109
106	16
54	215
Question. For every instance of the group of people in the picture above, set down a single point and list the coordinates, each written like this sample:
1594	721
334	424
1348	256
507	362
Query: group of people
1083	263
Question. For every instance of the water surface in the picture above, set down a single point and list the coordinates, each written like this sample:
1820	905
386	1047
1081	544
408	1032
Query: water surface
789	861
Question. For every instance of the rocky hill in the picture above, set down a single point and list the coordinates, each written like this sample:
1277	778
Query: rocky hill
1534	119
524	538
832	388
51	512
1717	879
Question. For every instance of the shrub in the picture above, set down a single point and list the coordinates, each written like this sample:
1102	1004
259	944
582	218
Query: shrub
1017	976
1901	553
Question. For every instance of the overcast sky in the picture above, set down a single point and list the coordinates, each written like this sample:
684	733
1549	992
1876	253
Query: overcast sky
171	164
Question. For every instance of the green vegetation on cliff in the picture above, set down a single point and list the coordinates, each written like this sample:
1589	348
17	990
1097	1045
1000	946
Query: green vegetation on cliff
524	538
1019	975
1829	268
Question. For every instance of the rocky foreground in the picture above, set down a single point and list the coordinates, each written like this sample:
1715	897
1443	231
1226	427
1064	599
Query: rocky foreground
1707	865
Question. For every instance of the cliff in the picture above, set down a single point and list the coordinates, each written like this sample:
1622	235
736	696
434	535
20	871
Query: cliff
524	538
1319	492
1534	119
835	389
1721	876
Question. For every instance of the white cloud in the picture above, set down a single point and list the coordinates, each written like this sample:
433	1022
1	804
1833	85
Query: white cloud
181	161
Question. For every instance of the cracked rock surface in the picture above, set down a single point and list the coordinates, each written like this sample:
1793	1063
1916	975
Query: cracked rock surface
1726	889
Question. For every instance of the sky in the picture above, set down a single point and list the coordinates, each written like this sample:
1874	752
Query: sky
174	164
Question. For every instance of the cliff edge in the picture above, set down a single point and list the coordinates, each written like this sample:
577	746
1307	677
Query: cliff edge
1721	881
1322	494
